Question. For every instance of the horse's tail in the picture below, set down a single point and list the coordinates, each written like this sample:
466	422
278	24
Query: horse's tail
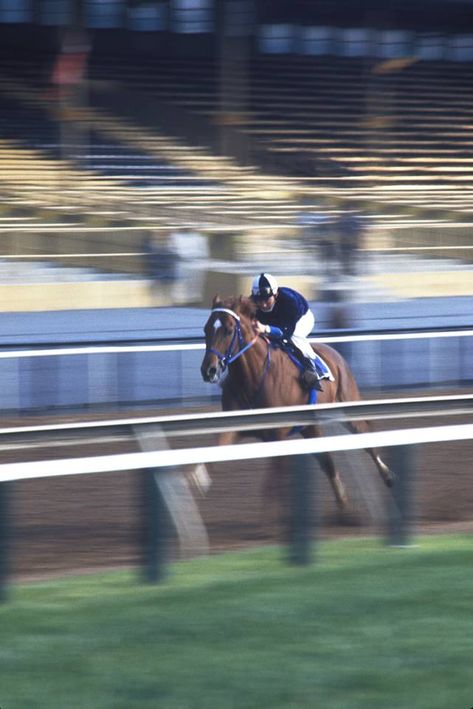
347	388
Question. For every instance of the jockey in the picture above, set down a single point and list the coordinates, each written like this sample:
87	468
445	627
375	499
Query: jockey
283	314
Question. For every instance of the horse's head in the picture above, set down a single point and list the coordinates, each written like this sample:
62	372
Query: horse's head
227	333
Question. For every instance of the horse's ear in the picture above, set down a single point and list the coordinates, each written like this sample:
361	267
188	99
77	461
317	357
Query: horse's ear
247	306
216	300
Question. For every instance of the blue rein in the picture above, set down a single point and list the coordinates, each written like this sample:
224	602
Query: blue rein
230	356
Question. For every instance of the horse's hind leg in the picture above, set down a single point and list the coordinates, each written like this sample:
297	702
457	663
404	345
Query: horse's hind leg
328	466
386	473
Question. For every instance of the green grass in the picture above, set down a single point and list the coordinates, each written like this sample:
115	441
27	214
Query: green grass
365	627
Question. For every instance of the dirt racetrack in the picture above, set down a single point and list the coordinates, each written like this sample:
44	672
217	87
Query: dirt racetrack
88	521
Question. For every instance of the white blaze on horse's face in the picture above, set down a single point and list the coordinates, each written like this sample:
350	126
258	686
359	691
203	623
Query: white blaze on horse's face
218	375
212	369
224	344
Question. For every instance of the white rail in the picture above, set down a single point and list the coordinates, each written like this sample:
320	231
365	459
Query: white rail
246	451
285	415
140	254
177	347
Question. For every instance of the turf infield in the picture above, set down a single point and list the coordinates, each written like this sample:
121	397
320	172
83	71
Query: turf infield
363	627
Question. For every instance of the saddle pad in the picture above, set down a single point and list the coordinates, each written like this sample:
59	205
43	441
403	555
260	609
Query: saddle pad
325	367
322	363
312	400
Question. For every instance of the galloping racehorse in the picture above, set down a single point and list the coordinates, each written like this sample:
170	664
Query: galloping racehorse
259	375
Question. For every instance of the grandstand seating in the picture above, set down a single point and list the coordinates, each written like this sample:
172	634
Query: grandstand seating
194	171
396	139
404	130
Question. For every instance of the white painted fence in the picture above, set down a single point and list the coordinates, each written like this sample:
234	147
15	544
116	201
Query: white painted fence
159	494
183	347
244	451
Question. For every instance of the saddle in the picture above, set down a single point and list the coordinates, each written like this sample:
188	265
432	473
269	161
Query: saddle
308	368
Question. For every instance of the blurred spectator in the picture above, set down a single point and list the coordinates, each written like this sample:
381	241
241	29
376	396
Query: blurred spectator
319	239
70	67
350	229
69	88
192	257
341	317
161	263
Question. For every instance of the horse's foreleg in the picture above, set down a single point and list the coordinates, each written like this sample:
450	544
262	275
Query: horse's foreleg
227	438
199	474
200	478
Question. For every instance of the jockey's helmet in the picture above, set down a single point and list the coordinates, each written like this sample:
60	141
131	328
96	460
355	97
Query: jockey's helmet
264	286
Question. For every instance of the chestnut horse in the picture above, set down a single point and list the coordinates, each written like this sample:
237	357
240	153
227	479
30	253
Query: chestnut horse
253	373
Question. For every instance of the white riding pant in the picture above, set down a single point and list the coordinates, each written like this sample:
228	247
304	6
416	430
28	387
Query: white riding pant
304	327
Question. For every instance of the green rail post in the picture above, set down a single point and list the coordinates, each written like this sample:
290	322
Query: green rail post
4	539
156	529
302	514
402	461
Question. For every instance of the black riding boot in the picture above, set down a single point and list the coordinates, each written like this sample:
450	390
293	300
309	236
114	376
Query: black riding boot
309	376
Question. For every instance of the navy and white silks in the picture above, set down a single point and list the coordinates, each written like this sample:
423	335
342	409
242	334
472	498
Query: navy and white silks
291	319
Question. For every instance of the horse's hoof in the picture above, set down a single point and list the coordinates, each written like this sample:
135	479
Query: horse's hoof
345	518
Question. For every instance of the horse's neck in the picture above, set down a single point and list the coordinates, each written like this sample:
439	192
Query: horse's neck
248	373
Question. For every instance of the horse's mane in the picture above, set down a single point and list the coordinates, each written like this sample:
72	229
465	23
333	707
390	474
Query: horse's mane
242	305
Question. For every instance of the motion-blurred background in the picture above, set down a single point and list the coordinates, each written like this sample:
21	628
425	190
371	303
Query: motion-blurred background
153	153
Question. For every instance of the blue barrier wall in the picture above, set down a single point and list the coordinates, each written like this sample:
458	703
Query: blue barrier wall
68	382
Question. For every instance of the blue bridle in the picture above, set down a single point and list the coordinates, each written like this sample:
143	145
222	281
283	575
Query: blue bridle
237	339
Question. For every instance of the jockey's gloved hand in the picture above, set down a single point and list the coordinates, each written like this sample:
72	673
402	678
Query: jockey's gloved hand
259	328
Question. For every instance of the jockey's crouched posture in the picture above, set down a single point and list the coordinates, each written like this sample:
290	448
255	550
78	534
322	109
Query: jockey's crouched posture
284	314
